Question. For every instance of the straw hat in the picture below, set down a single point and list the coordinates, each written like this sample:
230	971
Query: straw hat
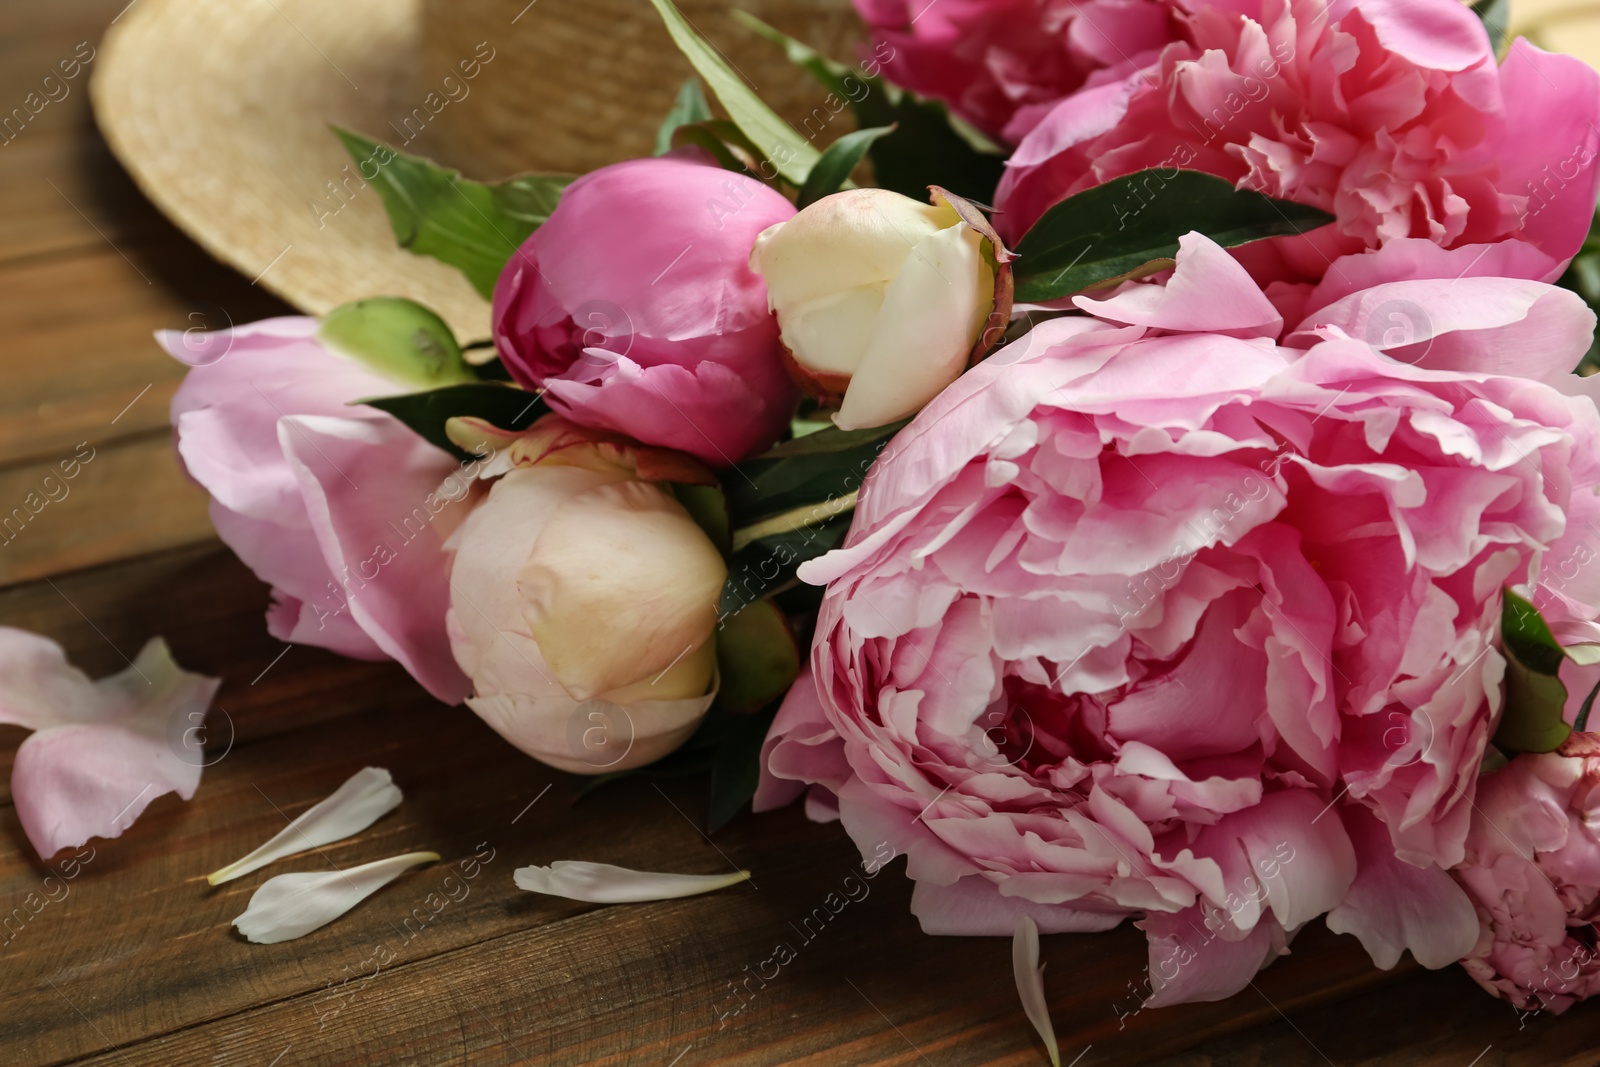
220	111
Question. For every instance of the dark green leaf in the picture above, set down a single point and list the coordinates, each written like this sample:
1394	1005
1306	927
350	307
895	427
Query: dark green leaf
1115	229
736	768
762	567
757	658
807	470
690	107
927	149
1525	632
1535	698
1581	723
492	371
833	169
791	154
1583	277
1496	15
928	146
725	141
473	226
500	405
399	339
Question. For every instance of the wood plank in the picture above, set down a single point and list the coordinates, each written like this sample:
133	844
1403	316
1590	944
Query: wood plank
94	505
1435	1019
33	37
79	346
69	195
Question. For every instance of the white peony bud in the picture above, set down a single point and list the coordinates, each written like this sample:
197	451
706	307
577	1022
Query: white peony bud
881	301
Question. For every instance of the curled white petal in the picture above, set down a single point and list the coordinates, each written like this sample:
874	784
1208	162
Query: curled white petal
366	797
292	905
601	883
1030	984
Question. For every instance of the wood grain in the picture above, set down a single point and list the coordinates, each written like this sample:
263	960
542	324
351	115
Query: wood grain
136	962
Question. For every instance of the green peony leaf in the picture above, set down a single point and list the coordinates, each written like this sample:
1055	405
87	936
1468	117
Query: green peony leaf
813	469
689	107
767	565
791	155
1583	277
504	406
475	227
1496	16
1535	697
929	146
1116	229
736	766
838	160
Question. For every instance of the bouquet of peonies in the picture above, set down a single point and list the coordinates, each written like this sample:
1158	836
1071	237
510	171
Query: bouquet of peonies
1158	419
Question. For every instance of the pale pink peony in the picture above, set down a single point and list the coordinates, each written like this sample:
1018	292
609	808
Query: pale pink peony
635	309
1394	117
1002	64
1533	870
1150	616
339	507
583	598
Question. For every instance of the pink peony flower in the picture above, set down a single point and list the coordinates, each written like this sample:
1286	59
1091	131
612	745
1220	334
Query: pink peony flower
634	307
341	509
1151	616
1393	117
1533	870
1002	64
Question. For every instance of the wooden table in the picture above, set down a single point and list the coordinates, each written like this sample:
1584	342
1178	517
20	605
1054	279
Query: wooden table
136	963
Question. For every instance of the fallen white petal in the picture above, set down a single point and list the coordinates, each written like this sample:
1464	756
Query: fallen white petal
601	883
368	796
1030	984
293	905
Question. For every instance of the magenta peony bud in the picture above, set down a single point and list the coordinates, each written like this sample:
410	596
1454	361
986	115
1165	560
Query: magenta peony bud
635	308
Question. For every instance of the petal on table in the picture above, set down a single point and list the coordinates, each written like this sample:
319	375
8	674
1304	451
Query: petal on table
293	905
601	883
367	796
1030	984
102	751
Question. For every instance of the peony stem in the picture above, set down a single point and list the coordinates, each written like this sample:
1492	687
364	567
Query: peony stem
795	519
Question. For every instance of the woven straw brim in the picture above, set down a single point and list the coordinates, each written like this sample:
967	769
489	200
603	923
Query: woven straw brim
220	111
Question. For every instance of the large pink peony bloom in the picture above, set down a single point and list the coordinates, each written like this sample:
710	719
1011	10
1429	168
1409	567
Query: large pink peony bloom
339	508
1533	869
1394	117
634	307
1002	64
1150	615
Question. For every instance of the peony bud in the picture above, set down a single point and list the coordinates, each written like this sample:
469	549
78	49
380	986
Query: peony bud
635	311
583	603
882	301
